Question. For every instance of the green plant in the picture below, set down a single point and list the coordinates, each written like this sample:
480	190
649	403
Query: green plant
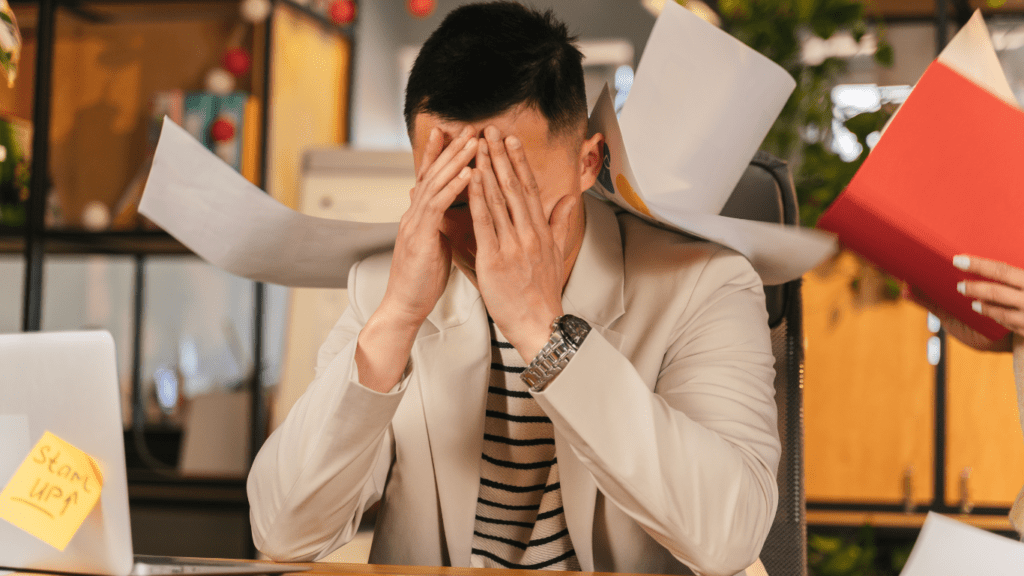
859	555
14	180
804	127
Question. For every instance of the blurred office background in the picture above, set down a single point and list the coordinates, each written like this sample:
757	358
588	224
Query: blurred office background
898	419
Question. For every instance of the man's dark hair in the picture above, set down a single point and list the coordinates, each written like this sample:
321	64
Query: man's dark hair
484	59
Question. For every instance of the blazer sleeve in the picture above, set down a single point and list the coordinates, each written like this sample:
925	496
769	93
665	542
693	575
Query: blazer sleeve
694	461
328	461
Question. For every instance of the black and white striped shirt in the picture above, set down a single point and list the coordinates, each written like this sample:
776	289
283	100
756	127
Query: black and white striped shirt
520	522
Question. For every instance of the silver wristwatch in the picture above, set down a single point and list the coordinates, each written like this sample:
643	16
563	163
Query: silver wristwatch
567	335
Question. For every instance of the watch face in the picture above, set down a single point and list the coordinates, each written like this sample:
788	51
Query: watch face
574	329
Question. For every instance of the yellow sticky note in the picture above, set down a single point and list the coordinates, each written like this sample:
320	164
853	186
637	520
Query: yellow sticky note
52	491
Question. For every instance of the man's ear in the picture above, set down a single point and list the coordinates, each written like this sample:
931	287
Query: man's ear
591	160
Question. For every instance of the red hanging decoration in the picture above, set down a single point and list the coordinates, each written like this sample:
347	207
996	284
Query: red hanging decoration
222	130
343	11
421	8
237	61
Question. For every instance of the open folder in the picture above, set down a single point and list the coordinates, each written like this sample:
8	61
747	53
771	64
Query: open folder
946	178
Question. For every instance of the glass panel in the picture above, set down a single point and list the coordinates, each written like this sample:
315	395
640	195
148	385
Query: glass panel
196	336
198	358
12	286
93	292
1008	40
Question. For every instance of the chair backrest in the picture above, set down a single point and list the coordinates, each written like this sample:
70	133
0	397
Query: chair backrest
766	193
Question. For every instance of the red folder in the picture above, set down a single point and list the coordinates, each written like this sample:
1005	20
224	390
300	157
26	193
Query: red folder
946	178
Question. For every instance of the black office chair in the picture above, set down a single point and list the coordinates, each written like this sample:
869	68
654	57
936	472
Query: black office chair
766	193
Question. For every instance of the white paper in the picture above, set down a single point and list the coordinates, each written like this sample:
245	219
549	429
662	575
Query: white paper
699	107
707	100
778	253
232	224
972	54
946	547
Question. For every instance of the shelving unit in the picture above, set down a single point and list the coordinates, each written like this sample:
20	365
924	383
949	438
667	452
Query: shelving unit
158	486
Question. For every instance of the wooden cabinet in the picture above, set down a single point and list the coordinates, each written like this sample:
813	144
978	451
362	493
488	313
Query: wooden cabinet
984	445
868	392
870	417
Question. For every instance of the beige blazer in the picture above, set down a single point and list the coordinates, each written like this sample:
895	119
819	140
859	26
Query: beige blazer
665	420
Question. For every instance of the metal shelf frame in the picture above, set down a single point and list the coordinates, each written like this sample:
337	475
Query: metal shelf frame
34	241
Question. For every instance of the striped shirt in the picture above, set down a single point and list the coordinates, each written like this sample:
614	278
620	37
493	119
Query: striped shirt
520	522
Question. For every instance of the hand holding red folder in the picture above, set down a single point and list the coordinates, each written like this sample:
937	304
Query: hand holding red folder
945	179
1001	299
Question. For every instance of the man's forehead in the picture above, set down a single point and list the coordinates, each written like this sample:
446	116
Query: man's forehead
526	123
519	121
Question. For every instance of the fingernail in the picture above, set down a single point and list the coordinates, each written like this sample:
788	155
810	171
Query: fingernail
962	262
467	130
492	133
483	146
464	173
961	287
470	143
513	142
976	306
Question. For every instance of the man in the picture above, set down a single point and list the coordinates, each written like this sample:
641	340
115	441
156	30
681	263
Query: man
529	379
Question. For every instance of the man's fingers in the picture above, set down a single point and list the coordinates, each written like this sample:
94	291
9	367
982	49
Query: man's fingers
506	176
451	153
444	197
493	198
993	269
483	223
446	173
435	145
531	192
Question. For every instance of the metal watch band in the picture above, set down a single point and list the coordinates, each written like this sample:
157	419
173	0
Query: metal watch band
567	334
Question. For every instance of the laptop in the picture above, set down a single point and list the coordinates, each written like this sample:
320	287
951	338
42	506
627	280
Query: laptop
66	383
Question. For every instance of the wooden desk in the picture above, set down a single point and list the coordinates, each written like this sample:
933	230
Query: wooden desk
329	569
335	569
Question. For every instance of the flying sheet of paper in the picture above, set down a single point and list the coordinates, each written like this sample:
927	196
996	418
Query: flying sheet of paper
52	492
946	547
698	109
778	253
714	100
232	224
972	54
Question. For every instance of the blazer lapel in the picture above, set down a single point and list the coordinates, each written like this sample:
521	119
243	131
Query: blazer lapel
595	293
452	366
